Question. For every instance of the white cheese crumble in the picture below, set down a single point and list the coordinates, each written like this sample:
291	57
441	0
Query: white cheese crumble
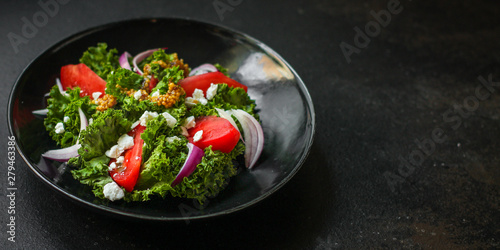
184	131
59	129
125	142
114	152
211	91
112	166
171	121
96	95
190	101
66	119
189	123
135	124
198	97
116	164
112	191
171	139
147	116
198	94
197	136
138	94
91	121
155	94
120	160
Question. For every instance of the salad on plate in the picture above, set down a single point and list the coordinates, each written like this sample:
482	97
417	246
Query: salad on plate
137	127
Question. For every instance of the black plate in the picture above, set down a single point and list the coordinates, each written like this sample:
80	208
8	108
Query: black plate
286	110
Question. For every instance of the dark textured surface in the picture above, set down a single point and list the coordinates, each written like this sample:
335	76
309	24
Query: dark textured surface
286	110
353	191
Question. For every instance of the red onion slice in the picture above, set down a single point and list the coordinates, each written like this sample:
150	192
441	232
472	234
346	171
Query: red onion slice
228	117
139	57
253	134
124	60
41	112
63	154
202	69
193	159
61	90
83	120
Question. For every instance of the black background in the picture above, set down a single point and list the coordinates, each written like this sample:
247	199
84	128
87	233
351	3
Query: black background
416	75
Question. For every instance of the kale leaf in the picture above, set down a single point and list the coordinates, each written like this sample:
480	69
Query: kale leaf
103	133
101	60
61	106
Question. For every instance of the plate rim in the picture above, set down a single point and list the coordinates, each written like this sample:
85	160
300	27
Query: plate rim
105	209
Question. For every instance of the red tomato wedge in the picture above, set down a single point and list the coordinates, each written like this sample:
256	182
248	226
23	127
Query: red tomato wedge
127	175
217	131
79	75
203	81
152	83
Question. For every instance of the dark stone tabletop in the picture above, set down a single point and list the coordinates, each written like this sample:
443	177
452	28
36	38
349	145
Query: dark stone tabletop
406	151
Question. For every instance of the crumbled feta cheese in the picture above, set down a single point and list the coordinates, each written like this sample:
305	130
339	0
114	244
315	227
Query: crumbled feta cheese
197	136
155	94
114	152
171	139
112	191
171	121
198	94
147	116
189	123
91	121
190	101
135	124
112	166
96	95
198	97
184	131
125	142
66	119
59	129
211	91
138	94
203	101
120	160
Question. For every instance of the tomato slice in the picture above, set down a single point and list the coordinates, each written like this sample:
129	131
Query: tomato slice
203	81
217	132
80	75
127	175
152	83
